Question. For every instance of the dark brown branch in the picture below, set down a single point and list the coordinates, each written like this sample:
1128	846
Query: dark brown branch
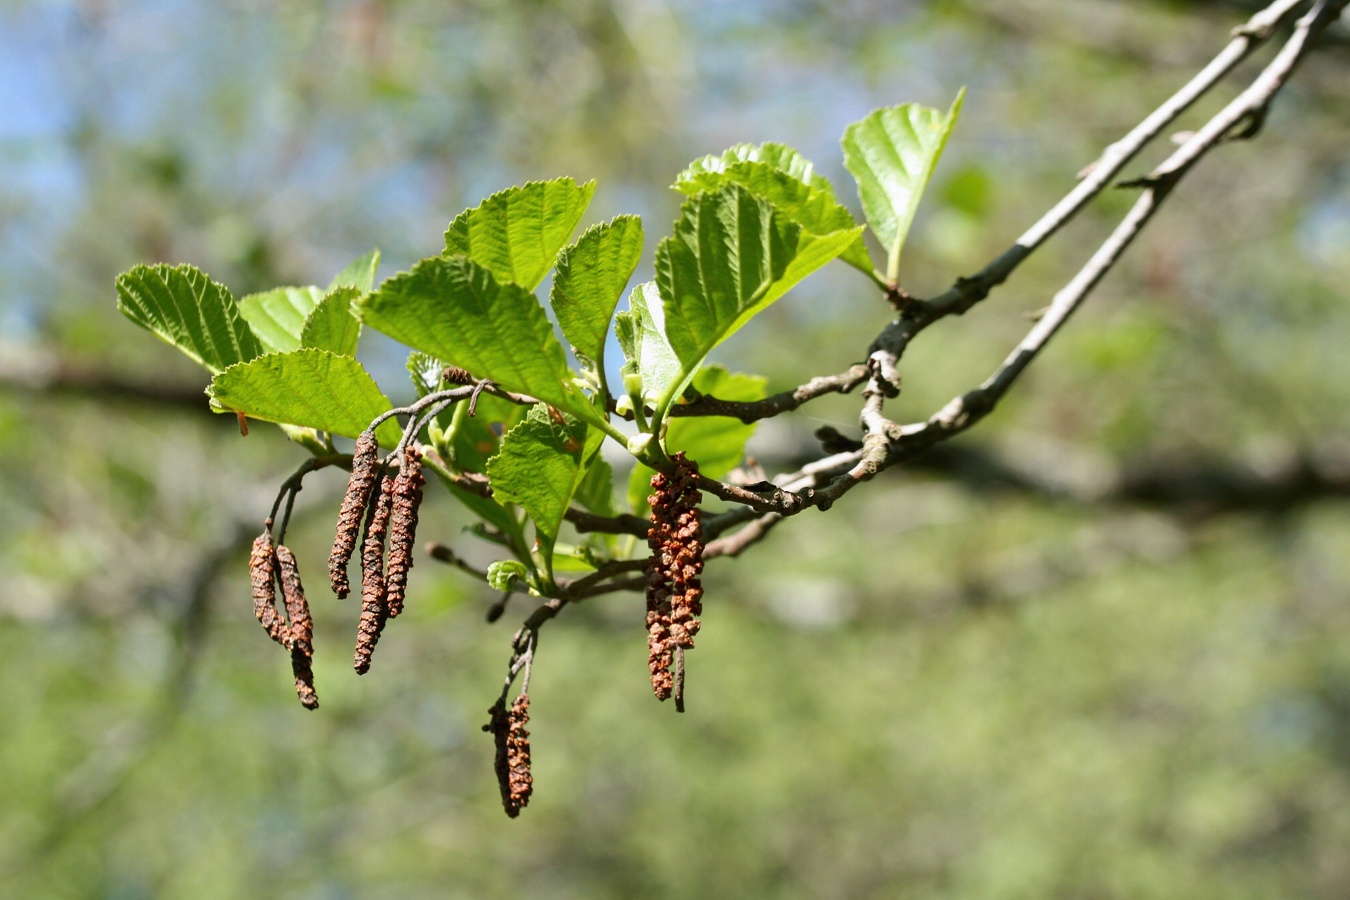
786	401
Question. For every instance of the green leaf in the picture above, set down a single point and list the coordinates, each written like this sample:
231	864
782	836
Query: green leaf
184	307
278	316
359	273
590	279
539	468
731	256
332	325
892	154
504	573
717	443
478	437
596	490
311	388
453	308
642	336
792	188
728	249
777	156
516	233
812	253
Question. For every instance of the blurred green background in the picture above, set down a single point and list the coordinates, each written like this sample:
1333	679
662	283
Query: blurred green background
1099	647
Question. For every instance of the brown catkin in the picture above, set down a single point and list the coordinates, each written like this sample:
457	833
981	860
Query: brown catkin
407	496
374	610
674	589
456	375
262	567
365	469
301	630
513	753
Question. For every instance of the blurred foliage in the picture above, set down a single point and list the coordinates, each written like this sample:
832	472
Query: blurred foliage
940	689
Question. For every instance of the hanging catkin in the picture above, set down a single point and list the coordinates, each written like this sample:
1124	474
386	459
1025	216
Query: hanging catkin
513	753
674	589
407	496
262	567
374	609
301	630
365	469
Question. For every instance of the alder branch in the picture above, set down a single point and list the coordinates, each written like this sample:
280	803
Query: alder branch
969	290
753	410
886	442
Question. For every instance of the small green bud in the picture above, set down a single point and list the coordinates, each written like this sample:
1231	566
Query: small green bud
638	444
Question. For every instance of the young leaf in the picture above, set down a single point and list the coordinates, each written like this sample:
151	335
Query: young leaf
312	388
716	442
777	156
278	316
539	468
590	279
786	179
504	573
359	273
332	325
453	308
516	234
642	337
184	307
728	249
892	154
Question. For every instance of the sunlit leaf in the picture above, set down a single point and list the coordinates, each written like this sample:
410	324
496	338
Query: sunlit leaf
775	155
590	279
278	316
184	307
794	191
516	234
728	249
312	388
332	324
454	309
892	154
359	273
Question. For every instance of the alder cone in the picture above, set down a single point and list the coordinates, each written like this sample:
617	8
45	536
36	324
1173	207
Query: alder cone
365	469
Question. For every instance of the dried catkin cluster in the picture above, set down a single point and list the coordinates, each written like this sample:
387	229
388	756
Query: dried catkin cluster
388	506
674	592
269	563
513	752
